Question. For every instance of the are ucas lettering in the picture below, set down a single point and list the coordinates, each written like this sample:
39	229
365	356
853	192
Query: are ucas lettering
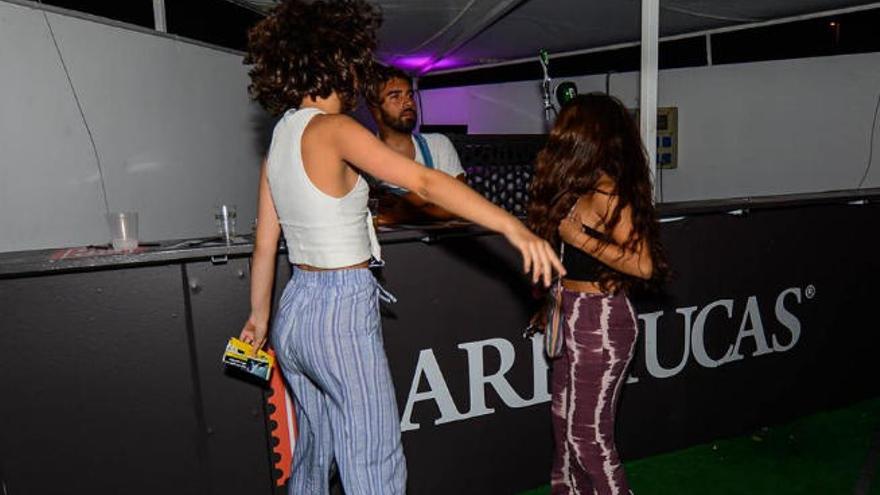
709	336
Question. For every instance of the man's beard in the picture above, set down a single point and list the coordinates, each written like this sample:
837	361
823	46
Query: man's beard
400	124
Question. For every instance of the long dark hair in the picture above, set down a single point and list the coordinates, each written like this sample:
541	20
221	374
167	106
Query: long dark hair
595	136
312	49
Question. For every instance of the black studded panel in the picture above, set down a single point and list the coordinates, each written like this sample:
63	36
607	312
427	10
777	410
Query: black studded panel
500	167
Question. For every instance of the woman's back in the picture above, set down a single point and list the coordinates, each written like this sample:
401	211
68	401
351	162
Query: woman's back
321	230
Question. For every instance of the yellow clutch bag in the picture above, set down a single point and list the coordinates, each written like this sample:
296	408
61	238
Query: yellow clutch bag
240	355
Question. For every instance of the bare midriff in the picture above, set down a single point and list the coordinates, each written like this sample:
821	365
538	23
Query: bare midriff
310	268
581	286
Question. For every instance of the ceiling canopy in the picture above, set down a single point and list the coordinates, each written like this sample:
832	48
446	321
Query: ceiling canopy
433	35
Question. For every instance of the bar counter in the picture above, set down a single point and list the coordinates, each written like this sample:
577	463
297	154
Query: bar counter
112	380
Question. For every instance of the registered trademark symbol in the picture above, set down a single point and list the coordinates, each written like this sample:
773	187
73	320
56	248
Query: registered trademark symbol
810	291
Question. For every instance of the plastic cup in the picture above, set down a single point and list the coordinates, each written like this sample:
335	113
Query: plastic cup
225	217
123	230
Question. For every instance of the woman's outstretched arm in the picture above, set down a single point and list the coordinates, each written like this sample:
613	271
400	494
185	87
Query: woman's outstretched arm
359	147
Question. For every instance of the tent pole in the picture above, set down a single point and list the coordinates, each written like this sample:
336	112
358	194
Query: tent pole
159	16
648	83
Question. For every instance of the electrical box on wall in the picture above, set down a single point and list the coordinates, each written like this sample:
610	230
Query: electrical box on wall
667	137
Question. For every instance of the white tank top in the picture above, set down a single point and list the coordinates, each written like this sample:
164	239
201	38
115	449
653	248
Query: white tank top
320	230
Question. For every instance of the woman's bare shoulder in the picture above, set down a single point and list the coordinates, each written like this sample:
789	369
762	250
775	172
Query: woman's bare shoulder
332	130
605	186
595	203
328	123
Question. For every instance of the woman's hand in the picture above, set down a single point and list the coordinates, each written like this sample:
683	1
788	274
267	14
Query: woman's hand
538	256
254	333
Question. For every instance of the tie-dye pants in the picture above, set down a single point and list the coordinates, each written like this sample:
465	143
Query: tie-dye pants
600	333
328	338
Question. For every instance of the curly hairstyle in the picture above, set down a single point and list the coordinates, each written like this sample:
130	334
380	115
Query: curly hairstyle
594	134
373	90
311	50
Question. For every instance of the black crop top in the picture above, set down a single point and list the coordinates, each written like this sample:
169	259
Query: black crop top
580	265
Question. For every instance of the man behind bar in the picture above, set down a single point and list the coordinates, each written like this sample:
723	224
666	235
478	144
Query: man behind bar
390	99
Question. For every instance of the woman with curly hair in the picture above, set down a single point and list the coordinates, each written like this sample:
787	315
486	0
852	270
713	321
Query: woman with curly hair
592	193
310	61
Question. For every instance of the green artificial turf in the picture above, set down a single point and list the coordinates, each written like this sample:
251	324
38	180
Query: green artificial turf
819	454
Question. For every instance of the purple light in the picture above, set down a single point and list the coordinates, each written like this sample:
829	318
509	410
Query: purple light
423	63
447	63
415	62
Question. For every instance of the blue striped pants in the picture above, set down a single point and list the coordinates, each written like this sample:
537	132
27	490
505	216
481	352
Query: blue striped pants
328	338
